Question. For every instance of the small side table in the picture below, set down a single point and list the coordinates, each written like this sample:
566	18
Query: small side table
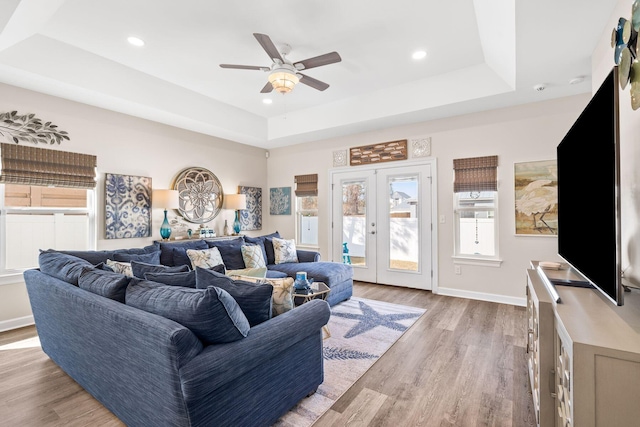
318	290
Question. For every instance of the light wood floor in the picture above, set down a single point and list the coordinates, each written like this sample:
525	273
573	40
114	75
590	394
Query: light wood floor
462	364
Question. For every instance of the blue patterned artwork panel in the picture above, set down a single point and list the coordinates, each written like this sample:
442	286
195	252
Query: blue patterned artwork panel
280	201
251	217
127	206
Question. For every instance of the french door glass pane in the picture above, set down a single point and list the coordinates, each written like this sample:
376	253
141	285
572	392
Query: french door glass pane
354	208
403	223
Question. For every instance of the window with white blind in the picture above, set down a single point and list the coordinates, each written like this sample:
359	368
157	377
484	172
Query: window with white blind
306	210
47	201
475	207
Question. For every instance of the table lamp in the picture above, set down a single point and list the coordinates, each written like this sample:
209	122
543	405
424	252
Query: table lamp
237	202
166	199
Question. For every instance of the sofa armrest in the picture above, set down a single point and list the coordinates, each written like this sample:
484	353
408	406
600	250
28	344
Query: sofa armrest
308	256
219	364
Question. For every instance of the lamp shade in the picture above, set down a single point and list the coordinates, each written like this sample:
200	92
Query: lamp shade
166	199
235	201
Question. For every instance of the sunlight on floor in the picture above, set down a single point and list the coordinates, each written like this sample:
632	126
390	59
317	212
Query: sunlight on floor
28	343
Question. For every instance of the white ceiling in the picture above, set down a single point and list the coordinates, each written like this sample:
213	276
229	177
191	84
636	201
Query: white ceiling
480	55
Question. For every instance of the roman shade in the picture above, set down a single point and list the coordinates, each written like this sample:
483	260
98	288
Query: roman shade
475	174
306	185
40	166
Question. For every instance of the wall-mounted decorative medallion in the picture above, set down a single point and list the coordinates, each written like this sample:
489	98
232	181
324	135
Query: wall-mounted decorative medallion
378	153
339	158
200	195
421	147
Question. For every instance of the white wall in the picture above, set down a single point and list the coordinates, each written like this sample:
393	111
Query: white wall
132	146
518	134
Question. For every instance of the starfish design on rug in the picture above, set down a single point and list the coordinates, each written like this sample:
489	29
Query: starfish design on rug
370	318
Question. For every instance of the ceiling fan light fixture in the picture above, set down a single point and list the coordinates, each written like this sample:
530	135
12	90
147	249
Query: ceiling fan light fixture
283	81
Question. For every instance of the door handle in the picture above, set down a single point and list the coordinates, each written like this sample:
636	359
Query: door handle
373	232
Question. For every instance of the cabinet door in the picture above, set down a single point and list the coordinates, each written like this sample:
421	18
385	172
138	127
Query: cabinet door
564	381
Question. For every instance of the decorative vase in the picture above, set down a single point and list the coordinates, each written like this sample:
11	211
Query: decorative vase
236	223
225	230
165	228
301	283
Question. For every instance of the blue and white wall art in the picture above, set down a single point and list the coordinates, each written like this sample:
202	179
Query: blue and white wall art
127	206
251	218
280	201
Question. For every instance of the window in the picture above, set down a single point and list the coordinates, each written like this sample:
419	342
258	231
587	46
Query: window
307	209
307	220
475	207
36	217
47	201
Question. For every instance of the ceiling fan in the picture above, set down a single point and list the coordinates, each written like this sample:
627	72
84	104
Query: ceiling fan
284	74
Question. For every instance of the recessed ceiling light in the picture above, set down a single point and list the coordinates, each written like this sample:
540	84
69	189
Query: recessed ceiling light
419	54
267	101
576	80
135	41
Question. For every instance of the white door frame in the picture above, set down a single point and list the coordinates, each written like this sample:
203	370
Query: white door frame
434	207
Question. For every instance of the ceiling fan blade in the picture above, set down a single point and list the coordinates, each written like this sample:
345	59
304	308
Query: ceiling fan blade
267	88
268	47
314	83
318	61
244	67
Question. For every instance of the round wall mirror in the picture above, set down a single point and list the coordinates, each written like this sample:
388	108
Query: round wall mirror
200	195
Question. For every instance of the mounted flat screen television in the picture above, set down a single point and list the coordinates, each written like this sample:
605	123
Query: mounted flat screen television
589	192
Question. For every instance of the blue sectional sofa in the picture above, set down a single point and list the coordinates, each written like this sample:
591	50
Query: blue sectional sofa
151	370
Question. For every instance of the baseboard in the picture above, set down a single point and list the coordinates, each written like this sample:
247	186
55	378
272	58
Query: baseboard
482	296
19	322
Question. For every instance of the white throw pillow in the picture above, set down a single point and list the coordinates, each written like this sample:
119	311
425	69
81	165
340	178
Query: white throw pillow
284	250
253	256
282	299
120	267
205	258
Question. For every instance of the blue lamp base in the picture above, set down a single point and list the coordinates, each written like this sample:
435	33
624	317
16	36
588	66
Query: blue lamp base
236	223
165	228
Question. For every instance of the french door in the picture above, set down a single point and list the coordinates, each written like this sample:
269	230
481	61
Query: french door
382	216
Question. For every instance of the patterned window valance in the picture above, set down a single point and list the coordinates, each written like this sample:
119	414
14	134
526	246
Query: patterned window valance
41	166
306	185
475	174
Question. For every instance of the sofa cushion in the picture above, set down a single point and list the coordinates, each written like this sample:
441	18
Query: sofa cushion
322	271
104	283
140	268
205	258
230	252
253	256
274	274
284	250
186	279
96	257
120	267
149	258
267	243
211	313
166	249
254	299
180	253
253	272
282	292
62	266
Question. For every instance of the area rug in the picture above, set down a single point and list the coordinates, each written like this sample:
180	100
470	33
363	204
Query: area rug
361	331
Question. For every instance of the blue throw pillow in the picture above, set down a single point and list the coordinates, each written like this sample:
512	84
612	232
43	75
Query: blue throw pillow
254	299
179	253
96	257
166	249
211	314
138	269
104	283
150	258
186	279
62	266
231	252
